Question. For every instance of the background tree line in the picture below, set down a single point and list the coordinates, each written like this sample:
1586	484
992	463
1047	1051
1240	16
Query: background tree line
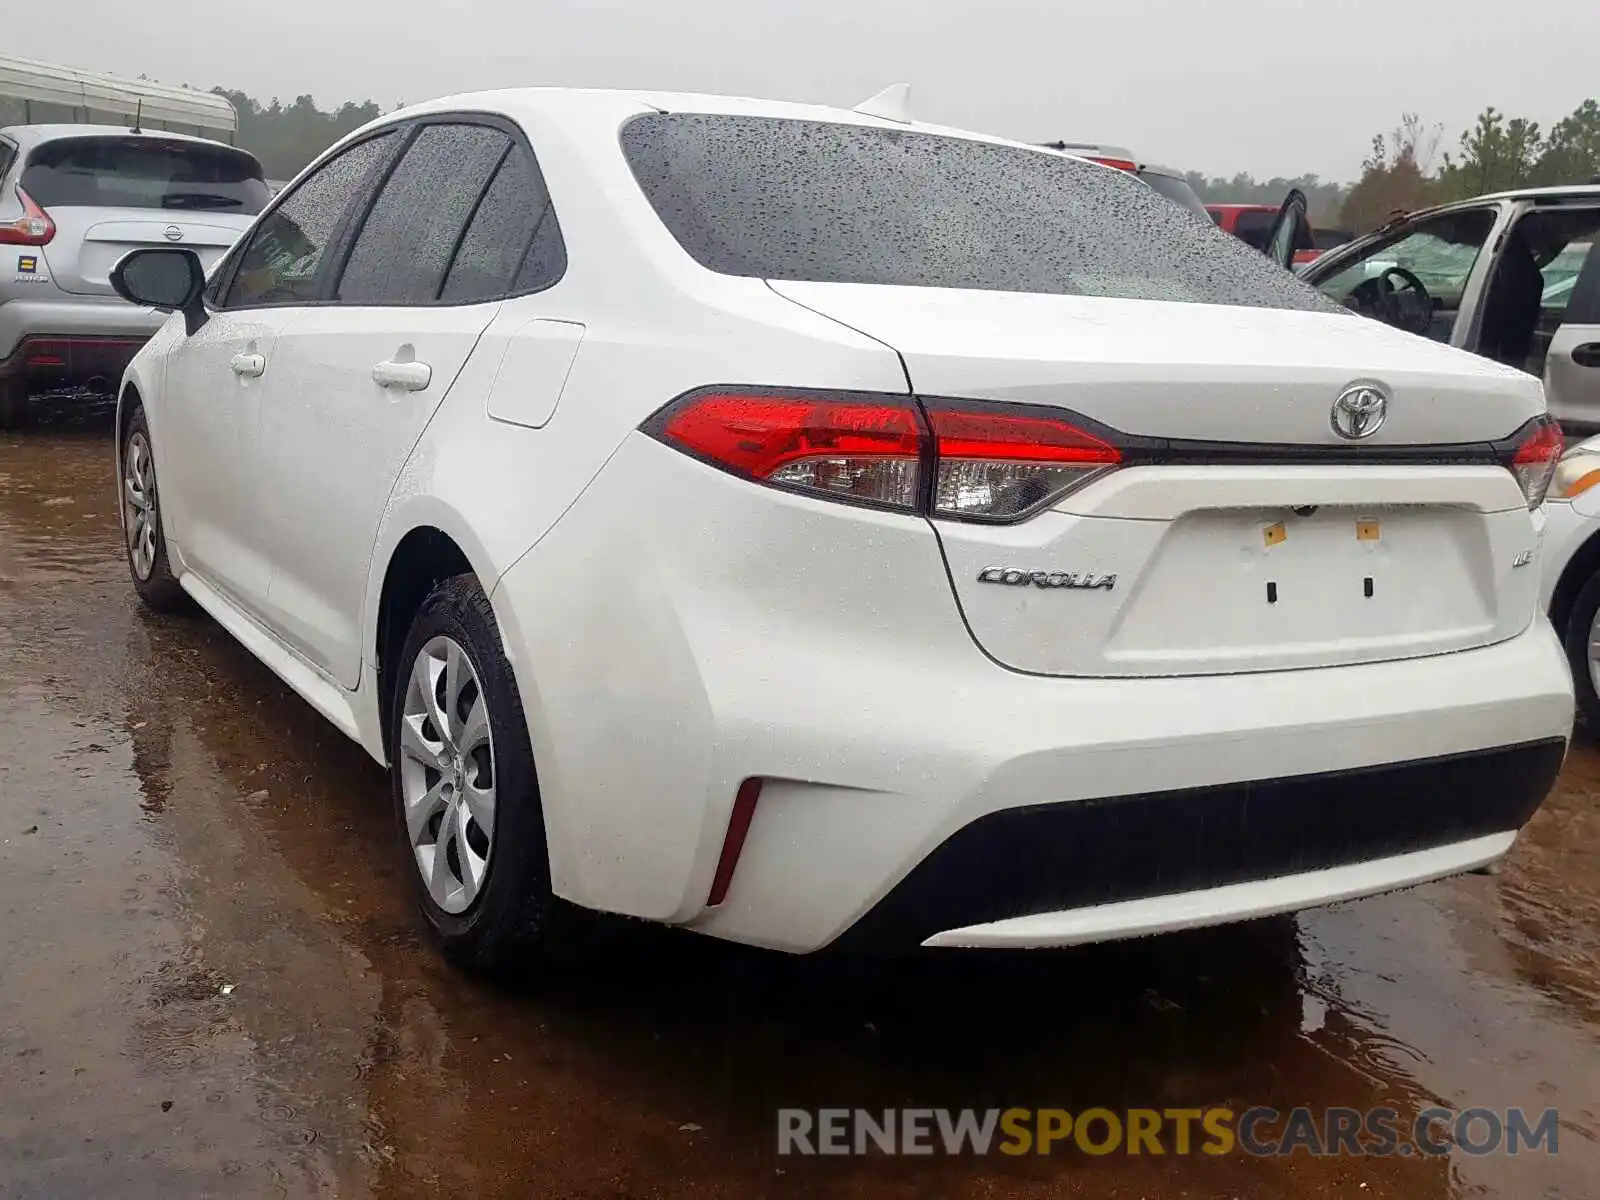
1406	168
285	137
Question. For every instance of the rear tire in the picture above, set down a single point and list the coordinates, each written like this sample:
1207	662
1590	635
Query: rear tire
144	542
1580	631
14	411
465	791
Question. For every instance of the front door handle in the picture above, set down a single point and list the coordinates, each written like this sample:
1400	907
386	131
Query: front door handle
249	366
1587	355
407	376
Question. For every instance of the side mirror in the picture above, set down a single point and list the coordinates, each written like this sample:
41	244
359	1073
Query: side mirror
171	280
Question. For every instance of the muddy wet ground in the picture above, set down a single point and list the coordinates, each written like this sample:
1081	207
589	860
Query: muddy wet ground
211	984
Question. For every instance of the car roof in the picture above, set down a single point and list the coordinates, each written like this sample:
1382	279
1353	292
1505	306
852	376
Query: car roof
1571	191
28	136
562	105
1584	191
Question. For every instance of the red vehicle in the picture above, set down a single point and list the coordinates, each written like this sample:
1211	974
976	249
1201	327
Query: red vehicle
1252	223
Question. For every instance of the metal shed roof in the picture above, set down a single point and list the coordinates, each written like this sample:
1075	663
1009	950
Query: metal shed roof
49	83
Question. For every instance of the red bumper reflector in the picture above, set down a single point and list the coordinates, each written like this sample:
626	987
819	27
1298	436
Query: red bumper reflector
744	810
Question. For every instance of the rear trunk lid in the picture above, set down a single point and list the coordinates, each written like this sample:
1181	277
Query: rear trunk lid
1255	537
90	241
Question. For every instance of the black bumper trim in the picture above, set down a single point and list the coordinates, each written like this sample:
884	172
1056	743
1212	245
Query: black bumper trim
74	357
1075	854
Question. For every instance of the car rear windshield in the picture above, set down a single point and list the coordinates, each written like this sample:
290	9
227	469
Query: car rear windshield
817	201
143	172
1177	190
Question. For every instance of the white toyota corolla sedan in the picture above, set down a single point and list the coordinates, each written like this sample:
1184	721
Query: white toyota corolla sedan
821	530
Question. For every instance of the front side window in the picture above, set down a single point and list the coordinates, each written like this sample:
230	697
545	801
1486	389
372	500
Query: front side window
144	171
280	264
1439	251
812	200
408	238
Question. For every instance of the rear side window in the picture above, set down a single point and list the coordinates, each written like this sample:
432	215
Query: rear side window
514	243
8	152
144	172
283	260
407	241
806	200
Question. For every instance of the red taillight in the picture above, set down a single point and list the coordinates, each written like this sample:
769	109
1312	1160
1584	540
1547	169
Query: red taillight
33	228
986	465
1121	164
862	448
1534	460
994	466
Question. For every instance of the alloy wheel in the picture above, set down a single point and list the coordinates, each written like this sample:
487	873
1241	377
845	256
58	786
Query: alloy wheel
1594	652
140	515
447	774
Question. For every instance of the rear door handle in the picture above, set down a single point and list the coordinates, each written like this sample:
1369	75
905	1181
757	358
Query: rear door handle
1587	355
248	365
407	376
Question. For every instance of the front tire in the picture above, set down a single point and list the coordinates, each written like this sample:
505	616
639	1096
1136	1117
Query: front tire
1582	640
465	791
143	539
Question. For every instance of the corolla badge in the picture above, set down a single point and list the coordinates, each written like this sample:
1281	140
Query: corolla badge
1014	577
1359	412
172	233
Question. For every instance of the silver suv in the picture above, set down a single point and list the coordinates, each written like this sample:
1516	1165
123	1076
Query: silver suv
73	200
1514	276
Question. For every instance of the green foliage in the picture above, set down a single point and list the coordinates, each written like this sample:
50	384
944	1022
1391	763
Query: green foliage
286	138
1395	176
1572	152
1497	154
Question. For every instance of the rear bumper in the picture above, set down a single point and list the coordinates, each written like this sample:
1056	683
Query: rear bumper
677	633
44	361
1110	867
1168	913
90	336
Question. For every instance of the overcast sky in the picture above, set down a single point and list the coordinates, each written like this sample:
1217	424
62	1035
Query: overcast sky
1274	87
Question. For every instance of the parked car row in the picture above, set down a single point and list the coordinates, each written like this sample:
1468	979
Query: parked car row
1252	224
73	200
823	529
